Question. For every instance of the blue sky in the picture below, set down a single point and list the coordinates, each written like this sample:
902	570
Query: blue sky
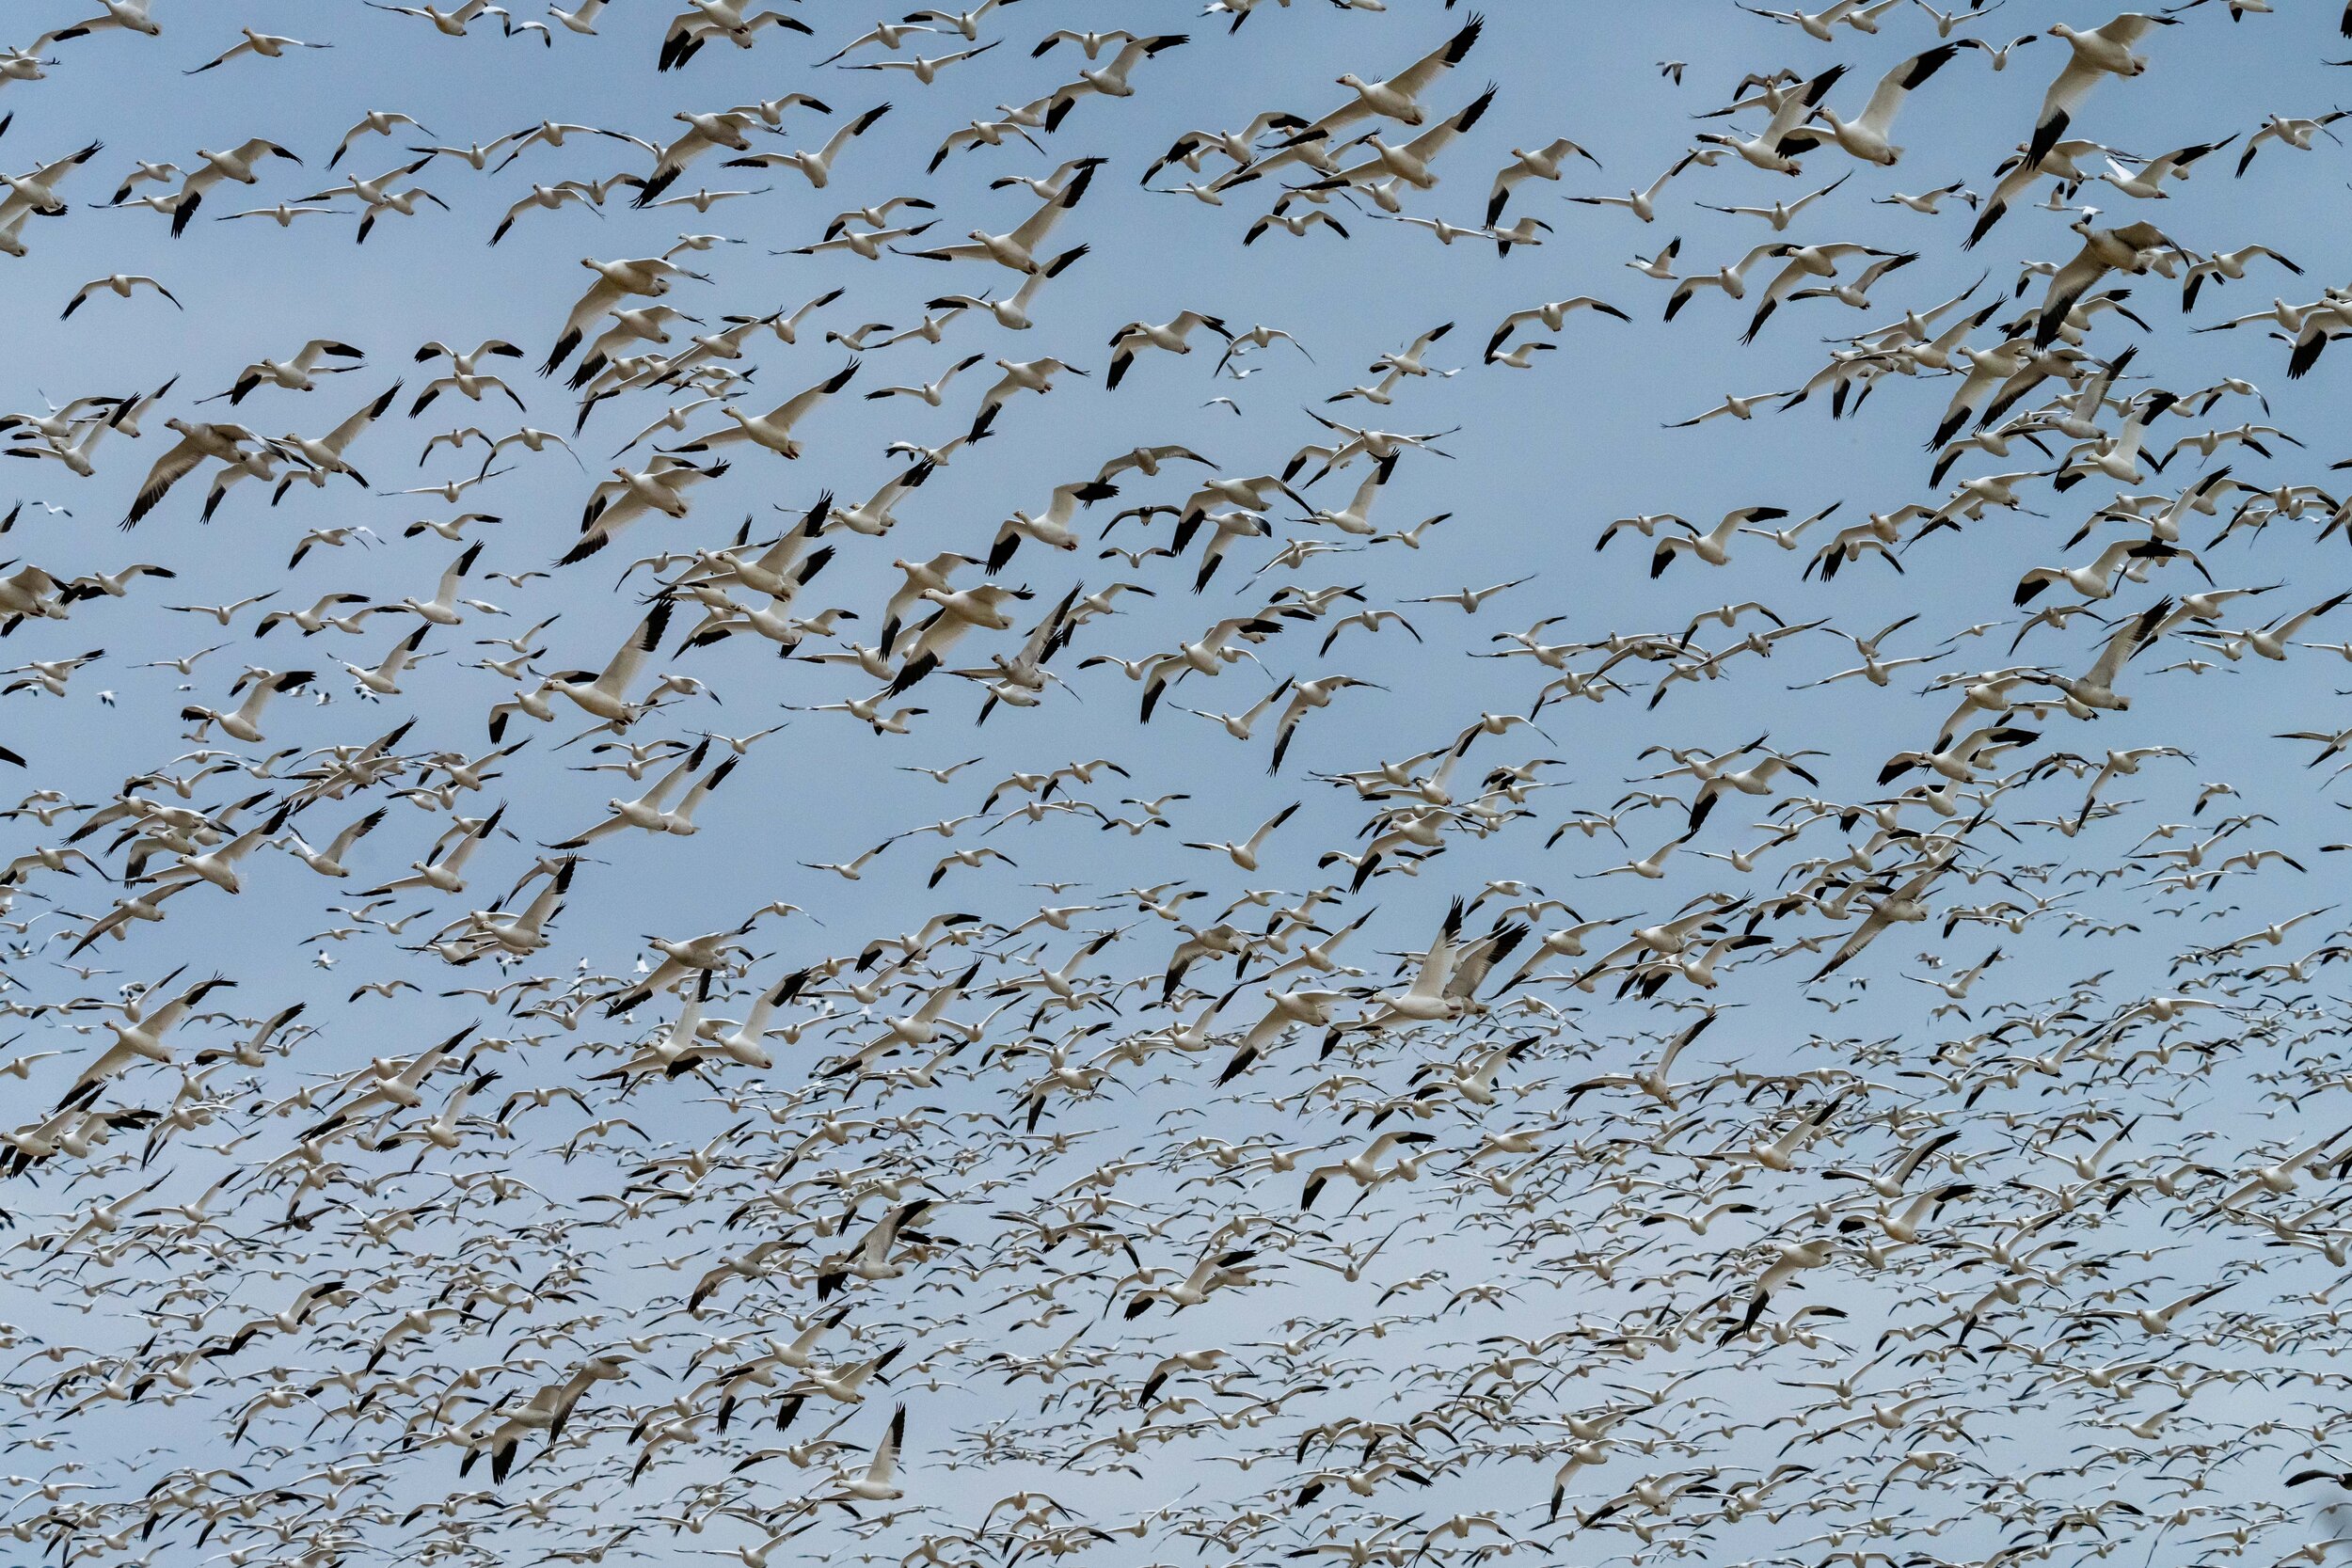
1534	464
1542	460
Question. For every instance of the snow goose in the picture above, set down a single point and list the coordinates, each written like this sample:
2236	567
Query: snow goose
1192	148
650	276
2098	579
1397	98
817	167
49	674
2228	266
2290	131
1781	213
442	610
923	69
1110	81
1731	279
866	244
323	455
2016	174
130	16
120	284
1305	697
221	614
1092	43
1208	655
772	621
148	905
2115	455
1643	204
773	429
299	373
1823	24
632	494
113	585
1790	107
651	810
1544	163
141	172
466	382
2147	182
979	134
1521	357
957	612
2319	323
1295	224
2271	642
878	1481
75	452
1927	203
262	464
1713	546
2102	51
199	441
966	24
268	46
2135	247
877	215
37	192
1660	266
383	680
245	722
1856	294
581	18
1355	516
1527	231
282	214
530	439
888	34
1170	336
545	199
1021	375
1052	527
732	20
237	163
637	325
547	133
1867	138
329	861
1410	162
1017	249
449	23
873	518
778	571
318	617
377	122
729	129
601	695
1813	260
921	576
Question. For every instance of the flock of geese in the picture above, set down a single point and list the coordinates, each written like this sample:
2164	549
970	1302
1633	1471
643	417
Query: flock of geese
1411	1034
